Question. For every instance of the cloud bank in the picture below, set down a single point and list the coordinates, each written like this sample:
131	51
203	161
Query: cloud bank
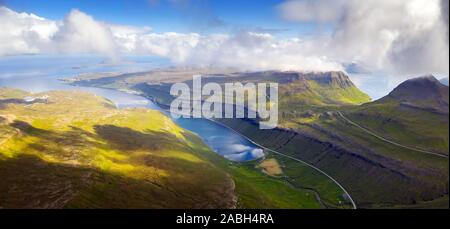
80	33
24	33
401	37
404	37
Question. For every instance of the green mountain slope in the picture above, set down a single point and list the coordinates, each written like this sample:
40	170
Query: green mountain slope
375	172
321	88
76	150
314	89
415	114
404	133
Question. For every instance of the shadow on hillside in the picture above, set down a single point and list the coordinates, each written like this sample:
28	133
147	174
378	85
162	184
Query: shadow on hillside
29	181
126	139
5	102
27	128
68	145
120	138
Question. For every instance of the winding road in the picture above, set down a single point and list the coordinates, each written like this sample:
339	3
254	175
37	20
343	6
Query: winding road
278	153
388	141
292	158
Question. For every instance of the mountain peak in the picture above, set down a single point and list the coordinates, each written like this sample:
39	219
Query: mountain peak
425	91
424	79
418	88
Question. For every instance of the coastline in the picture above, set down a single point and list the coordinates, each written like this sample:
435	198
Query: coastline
165	108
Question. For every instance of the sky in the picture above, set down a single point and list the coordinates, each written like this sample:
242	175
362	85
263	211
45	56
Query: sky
168	15
402	38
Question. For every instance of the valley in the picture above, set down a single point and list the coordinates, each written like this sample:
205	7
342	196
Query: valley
315	110
77	150
205	113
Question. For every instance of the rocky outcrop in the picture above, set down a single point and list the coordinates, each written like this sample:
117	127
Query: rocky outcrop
337	79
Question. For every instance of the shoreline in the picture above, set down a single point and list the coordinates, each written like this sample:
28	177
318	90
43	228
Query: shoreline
164	108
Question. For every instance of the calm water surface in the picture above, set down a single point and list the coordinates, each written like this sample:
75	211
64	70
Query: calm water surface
41	73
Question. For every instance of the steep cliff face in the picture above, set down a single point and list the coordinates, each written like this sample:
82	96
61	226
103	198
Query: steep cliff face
332	79
296	89
376	173
372	179
321	88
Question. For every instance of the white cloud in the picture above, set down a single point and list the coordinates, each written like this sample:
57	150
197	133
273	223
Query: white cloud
311	10
127	37
401	37
23	33
238	148
176	46
80	33
257	153
248	50
245	50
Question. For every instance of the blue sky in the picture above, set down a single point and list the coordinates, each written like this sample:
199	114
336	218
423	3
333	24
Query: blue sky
305	35
166	16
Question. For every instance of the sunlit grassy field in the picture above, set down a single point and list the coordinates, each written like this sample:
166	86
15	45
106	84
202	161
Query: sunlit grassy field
78	150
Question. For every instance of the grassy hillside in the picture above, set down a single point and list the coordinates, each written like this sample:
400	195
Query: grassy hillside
414	115
305	99
77	150
375	172
409	126
321	89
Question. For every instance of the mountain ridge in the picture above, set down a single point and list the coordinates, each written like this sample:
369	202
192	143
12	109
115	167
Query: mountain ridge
365	166
425	92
